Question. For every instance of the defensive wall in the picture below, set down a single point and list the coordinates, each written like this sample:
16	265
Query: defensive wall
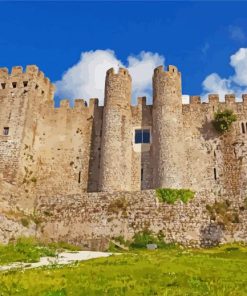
50	158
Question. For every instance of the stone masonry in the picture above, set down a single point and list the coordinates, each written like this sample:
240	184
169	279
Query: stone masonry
91	151
69	150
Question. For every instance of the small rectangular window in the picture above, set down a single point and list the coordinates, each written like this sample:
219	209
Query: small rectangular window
25	83
5	131
146	136
142	136
3	85
138	136
14	84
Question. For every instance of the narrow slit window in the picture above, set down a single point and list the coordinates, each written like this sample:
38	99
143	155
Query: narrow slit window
5	131
243	128
141	174
215	174
79	178
14	84
246	126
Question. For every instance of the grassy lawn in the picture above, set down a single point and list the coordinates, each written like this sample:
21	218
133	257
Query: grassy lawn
30	250
218	271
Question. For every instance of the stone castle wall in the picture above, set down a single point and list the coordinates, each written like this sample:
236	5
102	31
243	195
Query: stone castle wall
71	150
84	219
52	157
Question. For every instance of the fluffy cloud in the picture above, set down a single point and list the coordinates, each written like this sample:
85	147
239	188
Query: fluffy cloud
237	83
86	79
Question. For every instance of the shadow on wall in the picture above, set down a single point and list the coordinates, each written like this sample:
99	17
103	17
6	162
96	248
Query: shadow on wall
211	235
207	130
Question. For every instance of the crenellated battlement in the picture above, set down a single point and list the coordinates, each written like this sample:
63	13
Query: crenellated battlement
30	79
171	70
80	146
121	72
79	105
213	100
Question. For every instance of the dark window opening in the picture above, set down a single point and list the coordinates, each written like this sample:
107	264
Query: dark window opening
215	174
138	136
243	128
246	126
6	131
3	85
14	84
142	136
42	92
36	86
79	178
25	83
141	174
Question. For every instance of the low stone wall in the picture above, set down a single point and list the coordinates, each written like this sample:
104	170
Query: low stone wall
91	219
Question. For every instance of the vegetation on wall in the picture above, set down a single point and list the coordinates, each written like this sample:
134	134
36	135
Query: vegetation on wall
223	120
170	195
222	213
142	238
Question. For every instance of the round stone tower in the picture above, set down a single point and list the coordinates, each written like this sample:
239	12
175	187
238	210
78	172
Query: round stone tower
167	144
116	148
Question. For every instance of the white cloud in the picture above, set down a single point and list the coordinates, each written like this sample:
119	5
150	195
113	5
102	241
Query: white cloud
86	79
141	69
239	63
237	83
237	33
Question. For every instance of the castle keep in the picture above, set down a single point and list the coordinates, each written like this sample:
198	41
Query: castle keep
117	147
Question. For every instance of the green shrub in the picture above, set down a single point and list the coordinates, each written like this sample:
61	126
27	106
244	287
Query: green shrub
142	238
223	120
170	196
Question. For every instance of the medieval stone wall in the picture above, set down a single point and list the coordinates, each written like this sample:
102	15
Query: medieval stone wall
213	160
70	150
82	219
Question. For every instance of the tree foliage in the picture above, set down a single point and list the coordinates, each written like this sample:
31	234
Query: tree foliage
223	120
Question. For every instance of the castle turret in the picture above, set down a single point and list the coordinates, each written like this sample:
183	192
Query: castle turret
115	167
21	94
167	143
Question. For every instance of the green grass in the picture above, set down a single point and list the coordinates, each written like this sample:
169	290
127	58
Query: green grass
219	271
30	250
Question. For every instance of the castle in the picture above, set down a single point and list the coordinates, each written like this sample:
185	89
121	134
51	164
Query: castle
117	147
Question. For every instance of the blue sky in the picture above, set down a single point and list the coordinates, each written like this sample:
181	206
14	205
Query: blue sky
198	37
